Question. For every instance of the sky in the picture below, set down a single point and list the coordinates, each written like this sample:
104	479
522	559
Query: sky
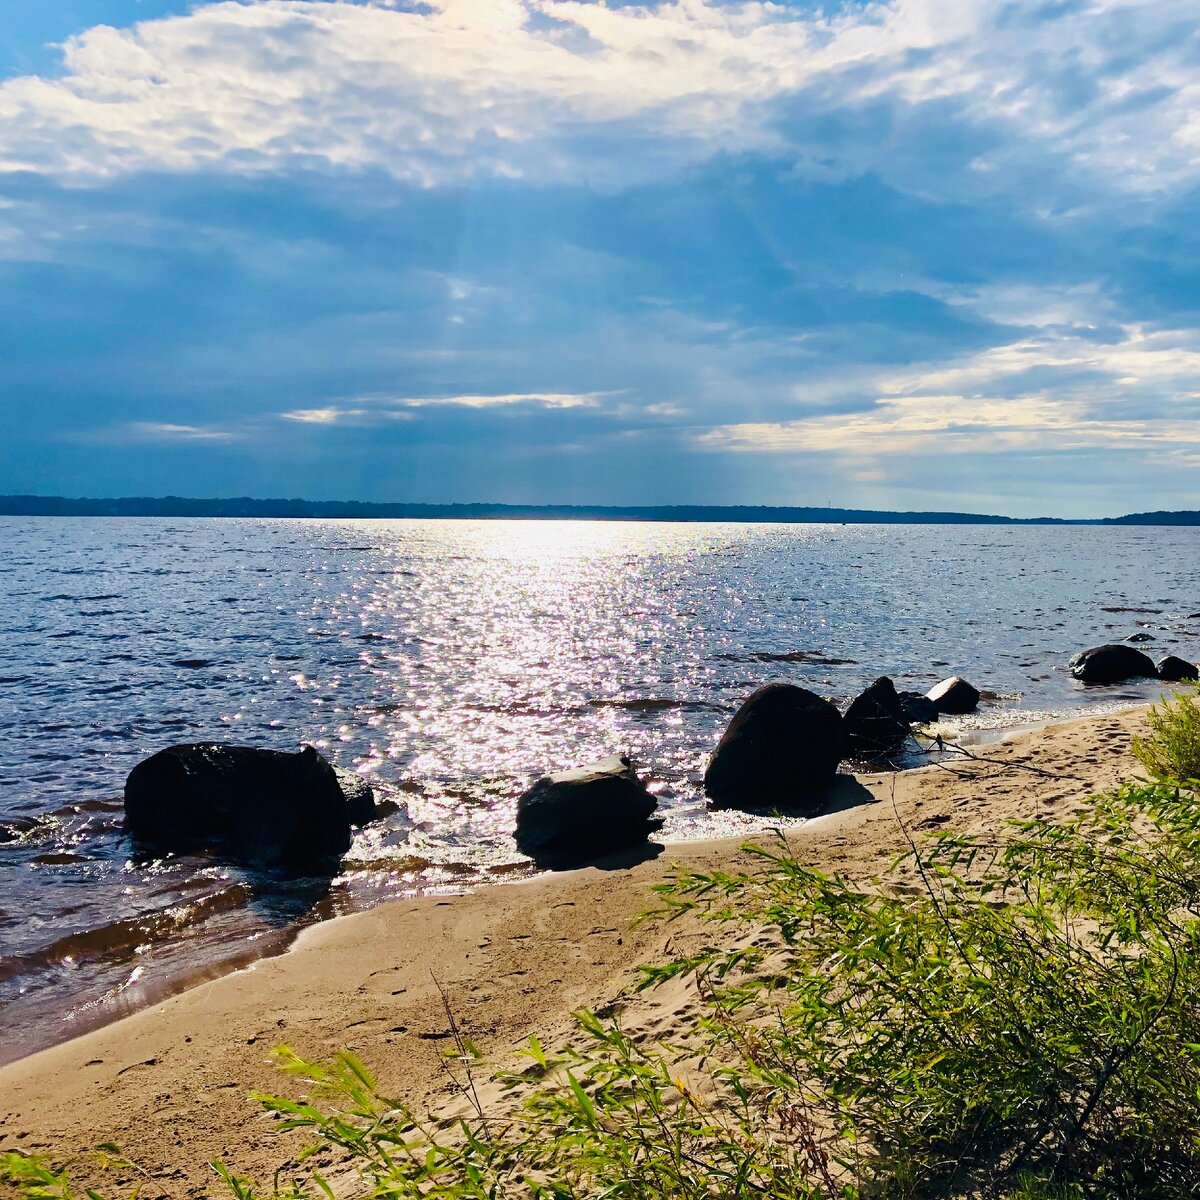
927	254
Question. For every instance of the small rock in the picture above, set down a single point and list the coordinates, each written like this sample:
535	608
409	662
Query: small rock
582	814
954	696
1174	669
781	749
1140	637
918	709
1111	664
876	724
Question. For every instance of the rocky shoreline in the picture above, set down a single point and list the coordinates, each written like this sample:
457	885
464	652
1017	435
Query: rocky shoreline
514	960
781	750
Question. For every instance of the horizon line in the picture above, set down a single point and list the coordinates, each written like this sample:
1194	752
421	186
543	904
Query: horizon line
298	508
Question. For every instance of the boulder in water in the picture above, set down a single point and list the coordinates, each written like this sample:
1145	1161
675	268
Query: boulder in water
876	724
954	696
1111	663
781	749
578	815
267	806
1175	670
918	709
360	796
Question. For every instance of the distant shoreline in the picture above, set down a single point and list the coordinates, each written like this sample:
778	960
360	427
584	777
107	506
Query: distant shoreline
242	506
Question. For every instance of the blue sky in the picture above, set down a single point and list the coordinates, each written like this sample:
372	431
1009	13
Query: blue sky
924	254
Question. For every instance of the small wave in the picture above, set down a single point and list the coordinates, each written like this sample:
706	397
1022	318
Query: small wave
121	938
23	829
816	657
88	806
193	663
655	704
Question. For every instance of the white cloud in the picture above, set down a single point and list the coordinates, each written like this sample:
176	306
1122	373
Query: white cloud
538	399
329	415
382	410
165	431
1043	394
560	90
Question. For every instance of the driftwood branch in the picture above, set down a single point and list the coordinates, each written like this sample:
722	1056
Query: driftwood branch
940	744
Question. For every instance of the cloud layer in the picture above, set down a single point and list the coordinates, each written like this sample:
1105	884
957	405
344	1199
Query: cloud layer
913	254
554	91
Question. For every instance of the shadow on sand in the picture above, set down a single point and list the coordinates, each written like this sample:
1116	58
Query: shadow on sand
613	860
843	793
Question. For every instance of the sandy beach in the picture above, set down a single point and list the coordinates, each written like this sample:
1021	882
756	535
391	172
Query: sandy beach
169	1084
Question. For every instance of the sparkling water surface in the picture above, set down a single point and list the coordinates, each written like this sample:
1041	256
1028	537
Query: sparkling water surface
452	662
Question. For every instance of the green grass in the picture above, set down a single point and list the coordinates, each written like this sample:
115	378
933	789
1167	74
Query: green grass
1022	1024
1172	748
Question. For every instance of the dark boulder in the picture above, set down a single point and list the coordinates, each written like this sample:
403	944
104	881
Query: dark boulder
360	797
781	749
918	709
266	806
1111	664
575	816
876	724
954	696
1174	669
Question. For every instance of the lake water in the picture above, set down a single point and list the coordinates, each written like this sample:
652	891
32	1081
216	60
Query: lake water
452	662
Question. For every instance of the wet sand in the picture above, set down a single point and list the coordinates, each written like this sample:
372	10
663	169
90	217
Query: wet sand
169	1084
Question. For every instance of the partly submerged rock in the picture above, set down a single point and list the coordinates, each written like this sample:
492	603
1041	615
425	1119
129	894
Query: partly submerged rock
360	796
1111	663
267	806
876	723
781	749
582	814
15	829
954	696
1175	670
918	709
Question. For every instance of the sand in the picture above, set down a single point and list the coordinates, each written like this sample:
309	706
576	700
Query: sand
169	1084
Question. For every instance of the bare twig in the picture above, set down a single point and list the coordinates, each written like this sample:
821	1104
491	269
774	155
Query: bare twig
465	1055
940	744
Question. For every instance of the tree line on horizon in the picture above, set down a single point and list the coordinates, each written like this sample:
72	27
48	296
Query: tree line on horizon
245	506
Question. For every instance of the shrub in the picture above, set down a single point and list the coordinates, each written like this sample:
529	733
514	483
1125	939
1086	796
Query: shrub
1172	749
1028	1025
1025	1024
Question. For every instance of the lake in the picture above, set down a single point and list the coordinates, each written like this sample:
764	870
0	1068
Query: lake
452	662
